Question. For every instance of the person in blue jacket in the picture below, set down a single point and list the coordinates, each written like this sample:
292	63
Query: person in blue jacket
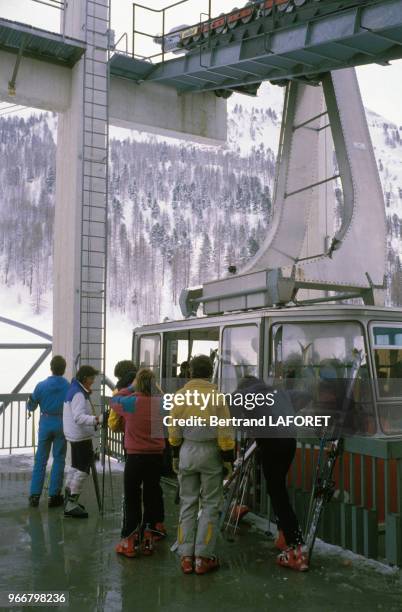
50	394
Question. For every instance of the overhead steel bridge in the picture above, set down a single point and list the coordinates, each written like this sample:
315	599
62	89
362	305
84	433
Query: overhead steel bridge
367	32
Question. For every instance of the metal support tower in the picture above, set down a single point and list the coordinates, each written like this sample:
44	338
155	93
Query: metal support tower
81	196
353	264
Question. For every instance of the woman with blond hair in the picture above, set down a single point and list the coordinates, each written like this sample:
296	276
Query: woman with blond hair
144	444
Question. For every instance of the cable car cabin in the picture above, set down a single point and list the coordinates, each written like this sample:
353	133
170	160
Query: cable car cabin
294	346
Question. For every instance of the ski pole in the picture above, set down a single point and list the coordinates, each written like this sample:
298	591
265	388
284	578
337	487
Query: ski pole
32	415
103	453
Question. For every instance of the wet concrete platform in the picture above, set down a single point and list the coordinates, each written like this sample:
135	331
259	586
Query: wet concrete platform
41	551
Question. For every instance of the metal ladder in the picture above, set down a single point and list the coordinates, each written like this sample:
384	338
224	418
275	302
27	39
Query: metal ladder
95	188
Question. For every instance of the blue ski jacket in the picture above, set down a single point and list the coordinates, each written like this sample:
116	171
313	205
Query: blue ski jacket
50	395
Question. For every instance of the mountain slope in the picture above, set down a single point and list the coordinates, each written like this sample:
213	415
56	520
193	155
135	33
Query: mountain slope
179	214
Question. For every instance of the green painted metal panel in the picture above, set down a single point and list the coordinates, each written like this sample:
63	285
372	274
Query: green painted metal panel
346	525
393	535
357	530
370	533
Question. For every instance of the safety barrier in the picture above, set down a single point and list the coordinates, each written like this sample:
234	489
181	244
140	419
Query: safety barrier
18	429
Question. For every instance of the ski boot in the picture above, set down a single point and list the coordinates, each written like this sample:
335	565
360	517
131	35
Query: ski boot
54	501
73	509
280	542
159	532
239	511
147	544
203	565
187	564
34	501
128	546
294	557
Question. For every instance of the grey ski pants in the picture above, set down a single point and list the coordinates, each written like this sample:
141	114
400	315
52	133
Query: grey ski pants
201	488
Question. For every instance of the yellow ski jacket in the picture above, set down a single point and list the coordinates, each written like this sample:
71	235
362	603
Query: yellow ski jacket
200	398
115	422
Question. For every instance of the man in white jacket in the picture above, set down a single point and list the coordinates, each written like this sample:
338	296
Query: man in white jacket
79	424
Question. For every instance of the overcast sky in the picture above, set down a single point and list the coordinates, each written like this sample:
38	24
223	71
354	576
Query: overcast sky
381	86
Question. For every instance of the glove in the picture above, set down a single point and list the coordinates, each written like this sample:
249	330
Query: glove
227	469
99	420
175	464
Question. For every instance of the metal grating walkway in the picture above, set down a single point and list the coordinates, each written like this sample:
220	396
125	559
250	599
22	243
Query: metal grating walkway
39	44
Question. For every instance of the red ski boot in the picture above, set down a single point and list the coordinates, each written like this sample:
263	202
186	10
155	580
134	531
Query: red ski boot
128	546
294	557
159	532
203	565
147	544
239	511
280	542
187	565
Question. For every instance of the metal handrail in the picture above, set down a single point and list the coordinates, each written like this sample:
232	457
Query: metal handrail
57	4
125	36
163	11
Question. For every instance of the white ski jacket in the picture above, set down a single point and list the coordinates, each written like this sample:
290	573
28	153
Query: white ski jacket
79	422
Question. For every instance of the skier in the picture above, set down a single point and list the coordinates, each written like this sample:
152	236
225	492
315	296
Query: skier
144	444
49	395
201	455
277	453
80	424
125	372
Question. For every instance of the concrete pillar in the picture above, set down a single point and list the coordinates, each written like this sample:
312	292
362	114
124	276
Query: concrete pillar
81	196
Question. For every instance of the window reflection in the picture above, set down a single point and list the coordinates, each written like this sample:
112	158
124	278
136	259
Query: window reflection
239	355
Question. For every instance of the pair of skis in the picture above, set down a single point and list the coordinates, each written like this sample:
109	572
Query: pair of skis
235	490
331	447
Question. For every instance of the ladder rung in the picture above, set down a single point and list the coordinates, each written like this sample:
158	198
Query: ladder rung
96	31
100	18
95	133
87	73
91	206
95	88
96	61
90	312
91	160
94	221
92	118
102	5
91	146
95	103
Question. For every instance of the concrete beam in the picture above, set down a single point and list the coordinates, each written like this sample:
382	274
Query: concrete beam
39	84
149	107
152	107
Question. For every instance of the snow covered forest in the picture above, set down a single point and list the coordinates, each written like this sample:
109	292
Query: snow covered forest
179	214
